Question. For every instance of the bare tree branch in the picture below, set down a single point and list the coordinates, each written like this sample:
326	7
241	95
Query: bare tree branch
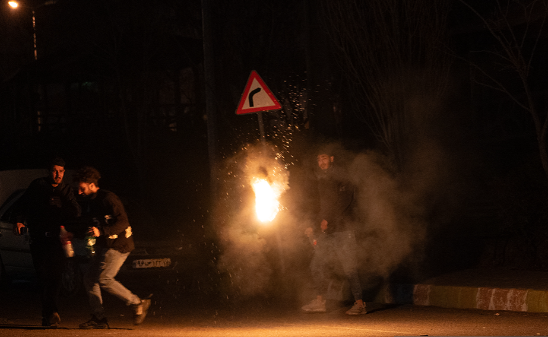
387	49
518	33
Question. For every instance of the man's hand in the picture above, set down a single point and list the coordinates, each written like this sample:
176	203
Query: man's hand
17	228
308	232
96	232
323	225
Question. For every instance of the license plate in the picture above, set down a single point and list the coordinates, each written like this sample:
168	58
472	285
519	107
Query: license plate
151	263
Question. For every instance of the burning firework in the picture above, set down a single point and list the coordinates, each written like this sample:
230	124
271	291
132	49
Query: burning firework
266	200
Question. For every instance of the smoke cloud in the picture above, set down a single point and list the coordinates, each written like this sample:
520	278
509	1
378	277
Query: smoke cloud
396	214
244	249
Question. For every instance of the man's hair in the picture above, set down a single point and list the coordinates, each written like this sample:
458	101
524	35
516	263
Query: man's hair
88	175
56	161
328	149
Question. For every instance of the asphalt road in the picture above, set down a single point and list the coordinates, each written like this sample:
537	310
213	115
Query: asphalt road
193	315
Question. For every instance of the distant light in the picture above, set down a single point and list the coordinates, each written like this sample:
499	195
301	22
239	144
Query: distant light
13	4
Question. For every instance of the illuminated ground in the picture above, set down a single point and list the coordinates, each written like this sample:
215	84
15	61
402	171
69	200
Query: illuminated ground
179	317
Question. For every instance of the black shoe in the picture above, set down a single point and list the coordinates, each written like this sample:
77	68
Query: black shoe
140	311
95	323
53	320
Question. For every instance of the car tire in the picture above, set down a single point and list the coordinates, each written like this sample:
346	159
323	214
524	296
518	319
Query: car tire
71	282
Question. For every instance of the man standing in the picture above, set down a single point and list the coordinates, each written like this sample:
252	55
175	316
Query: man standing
47	204
113	245
335	241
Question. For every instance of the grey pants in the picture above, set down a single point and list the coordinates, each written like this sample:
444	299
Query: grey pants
104	267
333	250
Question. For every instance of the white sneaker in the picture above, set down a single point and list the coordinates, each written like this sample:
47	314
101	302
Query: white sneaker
315	306
357	309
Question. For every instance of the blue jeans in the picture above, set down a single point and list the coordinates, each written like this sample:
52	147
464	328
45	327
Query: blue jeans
104	267
331	250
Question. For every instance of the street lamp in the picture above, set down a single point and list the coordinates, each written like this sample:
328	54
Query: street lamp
16	4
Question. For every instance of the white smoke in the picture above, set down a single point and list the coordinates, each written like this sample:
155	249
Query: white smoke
244	250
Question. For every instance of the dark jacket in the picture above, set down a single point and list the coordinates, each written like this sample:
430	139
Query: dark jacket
336	199
45	208
113	222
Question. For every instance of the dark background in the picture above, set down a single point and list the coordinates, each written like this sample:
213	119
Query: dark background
123	86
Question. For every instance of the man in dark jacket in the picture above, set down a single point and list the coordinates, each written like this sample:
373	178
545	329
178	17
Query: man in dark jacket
113	245
335	241
47	204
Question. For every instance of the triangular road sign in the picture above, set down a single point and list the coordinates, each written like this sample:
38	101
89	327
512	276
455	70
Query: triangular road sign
256	96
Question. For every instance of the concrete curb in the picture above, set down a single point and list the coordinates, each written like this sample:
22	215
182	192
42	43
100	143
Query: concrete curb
463	297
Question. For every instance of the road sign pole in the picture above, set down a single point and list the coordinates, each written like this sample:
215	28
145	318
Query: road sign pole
261	127
257	97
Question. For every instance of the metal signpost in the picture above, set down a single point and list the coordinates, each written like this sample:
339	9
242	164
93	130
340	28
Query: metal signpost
257	97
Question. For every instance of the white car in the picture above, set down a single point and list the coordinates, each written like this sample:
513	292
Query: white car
15	256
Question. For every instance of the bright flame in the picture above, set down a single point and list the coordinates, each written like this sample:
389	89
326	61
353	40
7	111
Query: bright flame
13	4
266	200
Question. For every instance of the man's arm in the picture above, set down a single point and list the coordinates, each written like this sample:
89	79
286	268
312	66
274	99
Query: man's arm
71	212
348	196
70	205
119	220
